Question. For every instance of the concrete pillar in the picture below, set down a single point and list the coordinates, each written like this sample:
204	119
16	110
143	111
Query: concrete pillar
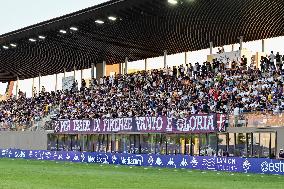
93	71
56	82
185	58
100	70
126	66
81	78
211	47
33	85
17	87
120	68
104	68
233	47
74	72
64	74
39	85
146	64
241	42
165	59
262	45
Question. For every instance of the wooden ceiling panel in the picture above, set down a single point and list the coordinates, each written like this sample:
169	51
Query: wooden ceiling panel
143	29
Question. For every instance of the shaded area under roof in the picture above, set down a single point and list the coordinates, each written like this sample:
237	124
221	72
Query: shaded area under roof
143	29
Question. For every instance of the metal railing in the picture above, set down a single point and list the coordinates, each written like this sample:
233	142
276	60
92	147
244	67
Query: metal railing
256	119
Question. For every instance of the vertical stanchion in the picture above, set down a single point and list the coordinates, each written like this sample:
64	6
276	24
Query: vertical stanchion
17	87
104	68
64	73
146	64
126	66
39	84
211	47
56	80
165	59
262	45
241	42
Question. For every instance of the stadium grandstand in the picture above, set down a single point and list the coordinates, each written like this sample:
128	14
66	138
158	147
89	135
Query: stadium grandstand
195	78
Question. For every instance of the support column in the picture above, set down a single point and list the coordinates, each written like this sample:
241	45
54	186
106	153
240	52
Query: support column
81	79
241	42
17	87
262	45
126	66
33	86
185	58
64	73
74	72
56	82
146	64
211	47
100	70
93	71
232	47
120	68
39	89
104	68
165	58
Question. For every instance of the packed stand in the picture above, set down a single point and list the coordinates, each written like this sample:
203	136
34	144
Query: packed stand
218	87
23	113
232	87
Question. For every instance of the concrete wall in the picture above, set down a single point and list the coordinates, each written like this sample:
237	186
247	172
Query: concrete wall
112	68
109	69
23	140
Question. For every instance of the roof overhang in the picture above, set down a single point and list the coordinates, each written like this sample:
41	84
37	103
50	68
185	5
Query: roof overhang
143	29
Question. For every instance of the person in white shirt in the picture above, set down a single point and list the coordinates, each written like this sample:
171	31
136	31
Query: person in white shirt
237	112
101	81
272	58
195	70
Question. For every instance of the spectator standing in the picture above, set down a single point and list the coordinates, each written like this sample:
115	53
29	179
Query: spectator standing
195	70
237	112
34	92
272	59
278	61
281	154
262	64
175	71
189	70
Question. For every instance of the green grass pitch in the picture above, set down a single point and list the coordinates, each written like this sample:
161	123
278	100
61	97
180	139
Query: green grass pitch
28	174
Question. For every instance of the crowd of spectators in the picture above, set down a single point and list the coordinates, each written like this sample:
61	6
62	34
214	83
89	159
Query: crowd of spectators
22	113
178	92
218	87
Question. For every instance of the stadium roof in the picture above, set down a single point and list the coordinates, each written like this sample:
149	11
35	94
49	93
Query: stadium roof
142	29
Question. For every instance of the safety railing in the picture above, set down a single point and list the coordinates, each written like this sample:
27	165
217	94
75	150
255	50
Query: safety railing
256	119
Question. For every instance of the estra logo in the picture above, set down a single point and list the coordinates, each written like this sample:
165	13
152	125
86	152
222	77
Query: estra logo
271	167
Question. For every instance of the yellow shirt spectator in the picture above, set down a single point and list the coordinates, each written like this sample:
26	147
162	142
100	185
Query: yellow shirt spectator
269	97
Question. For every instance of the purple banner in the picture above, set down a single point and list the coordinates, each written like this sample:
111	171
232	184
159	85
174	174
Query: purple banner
231	164
194	124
